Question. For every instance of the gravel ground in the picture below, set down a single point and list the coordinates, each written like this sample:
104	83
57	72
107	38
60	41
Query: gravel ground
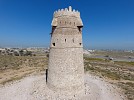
34	88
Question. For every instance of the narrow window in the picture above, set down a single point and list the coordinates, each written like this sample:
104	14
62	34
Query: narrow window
79	28
74	23
53	44
80	43
70	23
73	40
65	22
60	22
65	40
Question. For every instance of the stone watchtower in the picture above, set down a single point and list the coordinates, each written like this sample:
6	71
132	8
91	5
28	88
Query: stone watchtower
66	69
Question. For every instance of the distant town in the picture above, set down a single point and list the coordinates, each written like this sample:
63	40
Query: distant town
23	51
33	51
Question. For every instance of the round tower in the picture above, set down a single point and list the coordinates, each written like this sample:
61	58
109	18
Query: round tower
65	68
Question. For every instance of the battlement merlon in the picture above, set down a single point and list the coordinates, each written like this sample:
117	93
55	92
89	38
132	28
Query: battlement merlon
67	12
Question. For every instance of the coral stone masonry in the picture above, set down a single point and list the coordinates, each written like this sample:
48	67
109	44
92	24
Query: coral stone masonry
65	68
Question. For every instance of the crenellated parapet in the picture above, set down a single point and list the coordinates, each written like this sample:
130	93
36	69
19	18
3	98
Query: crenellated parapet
67	12
67	17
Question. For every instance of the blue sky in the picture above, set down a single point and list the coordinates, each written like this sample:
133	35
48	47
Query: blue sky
108	24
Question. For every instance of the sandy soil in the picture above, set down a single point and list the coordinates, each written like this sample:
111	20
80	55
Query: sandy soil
34	88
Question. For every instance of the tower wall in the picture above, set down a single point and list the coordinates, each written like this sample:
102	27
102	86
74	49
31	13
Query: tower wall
66	69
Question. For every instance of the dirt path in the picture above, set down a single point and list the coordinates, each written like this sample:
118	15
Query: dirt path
34	88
